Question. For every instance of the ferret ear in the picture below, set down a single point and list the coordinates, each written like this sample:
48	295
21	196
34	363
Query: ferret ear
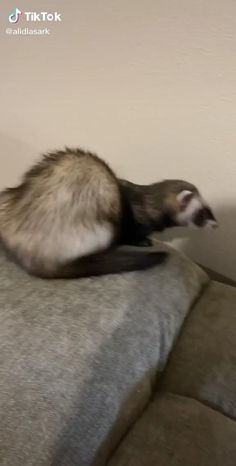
184	198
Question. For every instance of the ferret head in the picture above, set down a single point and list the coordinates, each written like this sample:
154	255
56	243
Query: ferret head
185	206
193	211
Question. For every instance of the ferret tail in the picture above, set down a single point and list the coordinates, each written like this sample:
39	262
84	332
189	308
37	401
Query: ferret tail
112	261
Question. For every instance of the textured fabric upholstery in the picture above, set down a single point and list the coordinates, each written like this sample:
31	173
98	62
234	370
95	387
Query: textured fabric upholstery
79	358
203	365
192	420
178	431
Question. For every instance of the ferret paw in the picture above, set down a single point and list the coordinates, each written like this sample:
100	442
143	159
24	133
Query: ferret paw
144	242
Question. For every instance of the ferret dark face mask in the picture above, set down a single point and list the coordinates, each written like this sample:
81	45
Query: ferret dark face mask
194	211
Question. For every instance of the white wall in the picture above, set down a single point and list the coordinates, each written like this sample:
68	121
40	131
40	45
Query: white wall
149	85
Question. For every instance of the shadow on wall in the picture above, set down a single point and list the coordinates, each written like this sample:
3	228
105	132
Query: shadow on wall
215	249
15	157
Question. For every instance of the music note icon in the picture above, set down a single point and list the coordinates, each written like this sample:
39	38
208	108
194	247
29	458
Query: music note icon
15	16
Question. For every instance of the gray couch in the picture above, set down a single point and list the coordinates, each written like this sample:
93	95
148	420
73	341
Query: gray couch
136	369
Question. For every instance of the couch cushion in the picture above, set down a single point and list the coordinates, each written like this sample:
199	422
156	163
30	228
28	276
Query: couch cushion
203	365
78	358
178	431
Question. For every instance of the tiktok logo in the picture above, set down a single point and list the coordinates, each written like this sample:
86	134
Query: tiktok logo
15	16
34	16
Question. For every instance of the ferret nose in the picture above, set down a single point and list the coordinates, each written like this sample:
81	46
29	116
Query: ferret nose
213	224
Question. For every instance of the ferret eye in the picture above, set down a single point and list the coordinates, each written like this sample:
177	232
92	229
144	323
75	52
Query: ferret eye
200	217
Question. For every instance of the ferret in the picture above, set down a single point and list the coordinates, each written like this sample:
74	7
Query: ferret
69	215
